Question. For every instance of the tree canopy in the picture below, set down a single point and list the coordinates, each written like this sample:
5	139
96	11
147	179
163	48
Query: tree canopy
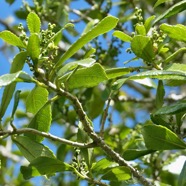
95	94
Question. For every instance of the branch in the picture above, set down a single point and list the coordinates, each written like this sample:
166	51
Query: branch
7	26
97	139
48	136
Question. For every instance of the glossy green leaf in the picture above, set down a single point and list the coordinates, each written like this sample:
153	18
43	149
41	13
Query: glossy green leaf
140	29
17	65
174	31
132	154
175	9
11	39
29	172
182	177
105	25
7	79
160	93
117	72
32	149
86	77
41	121
172	109
100	166
177	67
117	174
142	47
173	55
33	22
33	47
121	35
36	99
159	2
161	138
160	74
72	65
147	82
148	23
47	165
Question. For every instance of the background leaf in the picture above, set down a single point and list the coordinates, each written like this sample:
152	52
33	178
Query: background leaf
182	178
33	22
161	138
159	2
32	149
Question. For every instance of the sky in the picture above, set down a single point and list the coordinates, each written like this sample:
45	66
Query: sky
6	13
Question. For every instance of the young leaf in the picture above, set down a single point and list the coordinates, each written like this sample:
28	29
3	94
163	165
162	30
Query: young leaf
148	23
132	154
121	35
33	22
41	122
86	77
117	174
10	78
172	109
33	47
117	72
161	138
142	47
48	165
140	29
32	149
176	32
17	65
105	25
11	39
182	178
178	7
72	65
160	93
36	99
159	2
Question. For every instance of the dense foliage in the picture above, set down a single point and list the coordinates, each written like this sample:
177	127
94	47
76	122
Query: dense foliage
103	106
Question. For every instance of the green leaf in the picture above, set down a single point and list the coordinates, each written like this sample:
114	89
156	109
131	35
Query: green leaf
117	72
36	99
173	55
100	166
18	76
11	39
176	32
182	178
117	174
172	109
86	77
32	149
41	121
160	93
140	29
132	154
142	47
29	172
178	7
47	165
16	102
159	120
161	138
17	65
121	35
105	25
160	74
159	2
33	47
72	65
148	23
33	22
177	67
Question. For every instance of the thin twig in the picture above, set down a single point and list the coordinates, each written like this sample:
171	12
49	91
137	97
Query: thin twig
48	136
7	26
97	139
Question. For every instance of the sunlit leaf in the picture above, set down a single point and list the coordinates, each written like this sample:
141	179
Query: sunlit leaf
140	29
159	2
121	35
161	138
11	39
148	23
33	22
117	72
